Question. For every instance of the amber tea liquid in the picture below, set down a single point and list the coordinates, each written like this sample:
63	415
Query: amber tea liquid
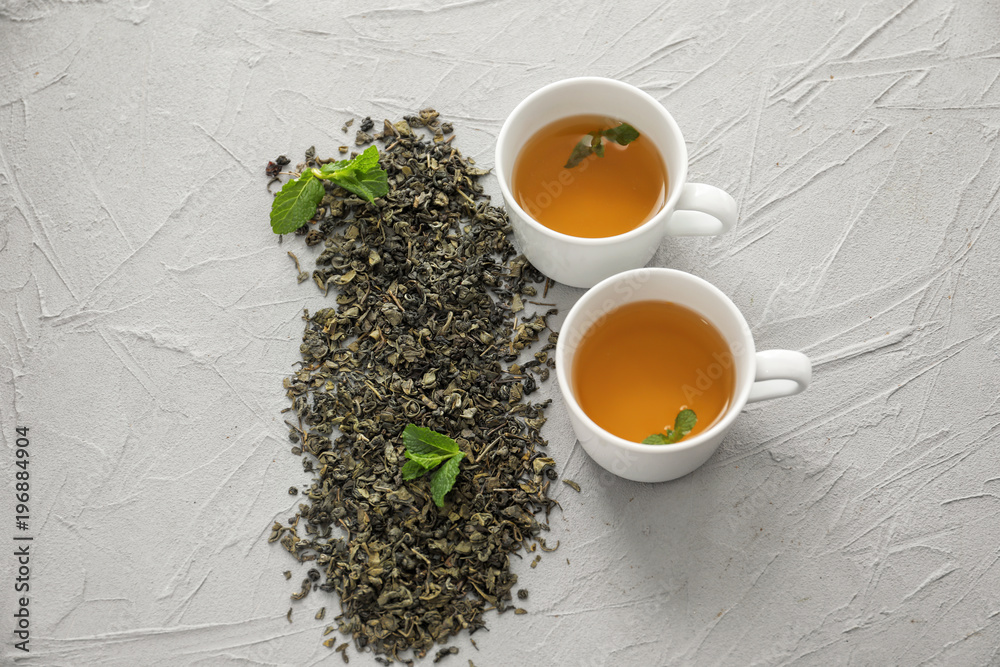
644	362
601	196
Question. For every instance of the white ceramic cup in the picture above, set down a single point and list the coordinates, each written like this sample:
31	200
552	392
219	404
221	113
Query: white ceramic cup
759	375
691	209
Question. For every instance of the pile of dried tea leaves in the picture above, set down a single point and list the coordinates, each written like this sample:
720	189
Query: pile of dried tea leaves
428	327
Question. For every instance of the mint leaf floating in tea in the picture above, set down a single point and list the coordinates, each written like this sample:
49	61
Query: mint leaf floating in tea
425	450
584	148
623	134
685	421
296	202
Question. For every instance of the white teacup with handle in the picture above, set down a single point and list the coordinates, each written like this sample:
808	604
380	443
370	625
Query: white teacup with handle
690	209
758	375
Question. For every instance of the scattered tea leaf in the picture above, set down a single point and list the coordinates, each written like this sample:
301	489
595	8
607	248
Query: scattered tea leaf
421	332
573	485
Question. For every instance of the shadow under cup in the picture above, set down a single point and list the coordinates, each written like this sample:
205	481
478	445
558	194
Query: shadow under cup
652	463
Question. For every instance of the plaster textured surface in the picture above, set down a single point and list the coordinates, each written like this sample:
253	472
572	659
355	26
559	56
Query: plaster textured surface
148	316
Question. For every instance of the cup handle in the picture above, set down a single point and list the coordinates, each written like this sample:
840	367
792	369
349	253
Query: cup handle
702	210
780	373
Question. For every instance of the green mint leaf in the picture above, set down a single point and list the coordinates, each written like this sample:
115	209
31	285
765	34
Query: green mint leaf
444	479
686	419
367	160
580	151
362	175
624	134
295	203
420	440
428	461
363	162
412	470
349	180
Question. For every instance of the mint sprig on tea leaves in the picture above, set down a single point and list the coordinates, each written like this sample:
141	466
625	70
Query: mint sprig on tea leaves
593	142
685	421
426	450
297	200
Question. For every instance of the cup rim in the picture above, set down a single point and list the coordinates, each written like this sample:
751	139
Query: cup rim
740	396
678	179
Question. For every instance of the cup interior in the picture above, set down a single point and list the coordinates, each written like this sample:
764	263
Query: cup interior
662	285
593	95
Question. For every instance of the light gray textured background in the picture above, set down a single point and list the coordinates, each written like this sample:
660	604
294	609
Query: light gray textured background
147	317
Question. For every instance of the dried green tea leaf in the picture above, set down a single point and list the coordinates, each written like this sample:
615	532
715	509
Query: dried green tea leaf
422	332
573	485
